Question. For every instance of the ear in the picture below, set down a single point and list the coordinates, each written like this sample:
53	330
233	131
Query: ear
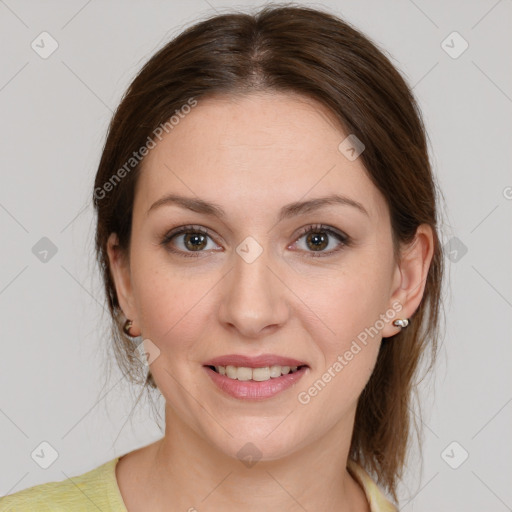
410	277
120	270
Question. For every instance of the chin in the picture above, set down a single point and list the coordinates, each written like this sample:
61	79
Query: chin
250	445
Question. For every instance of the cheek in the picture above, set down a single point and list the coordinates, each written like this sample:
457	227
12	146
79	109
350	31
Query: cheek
173	307
348	307
347	301
347	345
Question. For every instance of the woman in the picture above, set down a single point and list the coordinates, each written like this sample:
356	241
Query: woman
267	225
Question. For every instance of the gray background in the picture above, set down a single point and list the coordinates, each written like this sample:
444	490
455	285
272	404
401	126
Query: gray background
54	115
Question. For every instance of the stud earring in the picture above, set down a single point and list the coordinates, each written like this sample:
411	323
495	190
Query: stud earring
127	326
401	322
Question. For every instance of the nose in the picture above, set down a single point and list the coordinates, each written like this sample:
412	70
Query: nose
254	300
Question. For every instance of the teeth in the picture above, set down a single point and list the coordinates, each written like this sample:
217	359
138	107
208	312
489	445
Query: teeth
258	374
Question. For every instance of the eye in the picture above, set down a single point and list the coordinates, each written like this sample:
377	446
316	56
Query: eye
187	240
318	238
190	241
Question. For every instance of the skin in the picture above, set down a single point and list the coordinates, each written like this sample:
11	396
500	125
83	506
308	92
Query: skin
252	155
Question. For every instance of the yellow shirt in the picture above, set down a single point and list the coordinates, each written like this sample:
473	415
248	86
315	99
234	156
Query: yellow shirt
98	490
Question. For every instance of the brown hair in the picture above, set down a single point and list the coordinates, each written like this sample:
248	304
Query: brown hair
295	49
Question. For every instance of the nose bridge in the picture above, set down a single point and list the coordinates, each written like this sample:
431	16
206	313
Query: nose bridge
254	298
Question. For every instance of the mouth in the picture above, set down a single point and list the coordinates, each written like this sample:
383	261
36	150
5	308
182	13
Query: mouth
254	378
259	374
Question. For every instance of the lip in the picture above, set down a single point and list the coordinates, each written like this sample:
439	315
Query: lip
253	390
254	362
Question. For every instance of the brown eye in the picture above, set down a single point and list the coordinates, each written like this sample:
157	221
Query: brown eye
187	240
318	238
195	241
317	241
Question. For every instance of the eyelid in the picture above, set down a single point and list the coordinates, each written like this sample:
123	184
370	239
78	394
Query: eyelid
192	228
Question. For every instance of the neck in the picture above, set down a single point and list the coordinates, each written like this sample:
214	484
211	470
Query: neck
194	475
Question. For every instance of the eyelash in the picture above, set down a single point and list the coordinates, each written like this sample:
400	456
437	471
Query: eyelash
191	229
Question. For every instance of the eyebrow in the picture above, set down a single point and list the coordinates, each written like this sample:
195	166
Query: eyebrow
287	211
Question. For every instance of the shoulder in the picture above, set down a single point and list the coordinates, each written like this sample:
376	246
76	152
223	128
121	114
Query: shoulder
376	499
93	490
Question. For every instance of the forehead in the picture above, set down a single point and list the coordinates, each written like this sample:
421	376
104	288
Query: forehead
257	149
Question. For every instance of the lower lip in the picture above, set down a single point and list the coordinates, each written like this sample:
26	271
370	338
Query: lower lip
253	390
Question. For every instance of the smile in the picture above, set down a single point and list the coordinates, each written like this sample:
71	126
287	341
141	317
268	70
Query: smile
244	373
245	383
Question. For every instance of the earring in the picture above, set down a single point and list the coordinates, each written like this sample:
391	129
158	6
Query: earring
127	326
402	322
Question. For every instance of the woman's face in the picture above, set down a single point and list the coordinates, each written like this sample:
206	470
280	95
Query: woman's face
257	282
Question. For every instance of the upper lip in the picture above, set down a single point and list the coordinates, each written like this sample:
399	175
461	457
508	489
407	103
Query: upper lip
254	362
